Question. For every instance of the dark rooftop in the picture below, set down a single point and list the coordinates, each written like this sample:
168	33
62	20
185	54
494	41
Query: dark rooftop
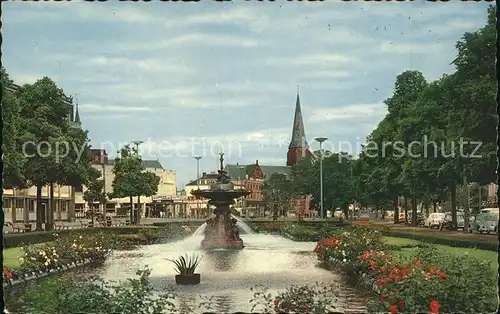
146	163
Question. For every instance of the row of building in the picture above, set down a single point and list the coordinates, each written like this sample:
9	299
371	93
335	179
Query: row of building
20	204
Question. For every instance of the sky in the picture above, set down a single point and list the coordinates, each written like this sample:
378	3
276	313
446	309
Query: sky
194	79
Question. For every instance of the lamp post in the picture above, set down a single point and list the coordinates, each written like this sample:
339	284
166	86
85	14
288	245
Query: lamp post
198	181
320	140
136	217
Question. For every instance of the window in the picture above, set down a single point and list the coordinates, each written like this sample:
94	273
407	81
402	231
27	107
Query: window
79	189
7	203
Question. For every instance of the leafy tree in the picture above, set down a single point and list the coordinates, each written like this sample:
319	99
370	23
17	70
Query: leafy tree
95	191
130	179
45	116
279	193
338	180
13	137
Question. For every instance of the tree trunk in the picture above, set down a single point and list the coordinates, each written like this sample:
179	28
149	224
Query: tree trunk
91	206
453	189
131	210
13	206
414	210
406	209
49	225
39	218
434	206
138	213
396	211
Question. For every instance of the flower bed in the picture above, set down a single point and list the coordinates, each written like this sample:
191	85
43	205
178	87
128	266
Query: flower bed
414	281
64	253
303	233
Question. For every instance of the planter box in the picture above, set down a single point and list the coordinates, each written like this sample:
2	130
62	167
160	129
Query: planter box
193	279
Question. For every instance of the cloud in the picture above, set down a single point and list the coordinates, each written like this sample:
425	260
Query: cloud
91	108
410	48
228	73
316	59
348	112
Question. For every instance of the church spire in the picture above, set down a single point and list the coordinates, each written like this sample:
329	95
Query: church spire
77	114
298	133
298	147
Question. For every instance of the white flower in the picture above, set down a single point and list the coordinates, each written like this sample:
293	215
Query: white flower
55	261
344	260
33	259
21	260
46	263
80	237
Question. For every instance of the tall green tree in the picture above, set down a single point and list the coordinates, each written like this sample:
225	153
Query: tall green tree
95	191
279	194
131	179
45	116
14	136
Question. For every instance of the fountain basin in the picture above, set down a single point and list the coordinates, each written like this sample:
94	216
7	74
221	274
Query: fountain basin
221	243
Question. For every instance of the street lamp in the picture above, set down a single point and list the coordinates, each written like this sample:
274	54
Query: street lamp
198	181
137	143
320	140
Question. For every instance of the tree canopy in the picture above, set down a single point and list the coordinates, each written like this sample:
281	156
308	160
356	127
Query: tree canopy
130	178
434	135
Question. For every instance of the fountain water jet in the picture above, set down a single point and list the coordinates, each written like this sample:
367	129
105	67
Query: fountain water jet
242	226
221	230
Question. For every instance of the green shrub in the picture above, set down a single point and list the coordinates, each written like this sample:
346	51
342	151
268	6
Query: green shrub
66	249
417	280
96	296
437	238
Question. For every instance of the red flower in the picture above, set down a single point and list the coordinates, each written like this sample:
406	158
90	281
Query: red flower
383	297
443	276
393	309
307	307
382	269
434	307
276	302
7	274
401	304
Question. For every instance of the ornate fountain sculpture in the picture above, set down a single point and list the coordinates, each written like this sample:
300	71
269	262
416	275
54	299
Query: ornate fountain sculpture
221	230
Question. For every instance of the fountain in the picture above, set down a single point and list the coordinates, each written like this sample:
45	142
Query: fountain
221	231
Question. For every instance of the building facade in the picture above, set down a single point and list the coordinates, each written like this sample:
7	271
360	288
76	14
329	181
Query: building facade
150	206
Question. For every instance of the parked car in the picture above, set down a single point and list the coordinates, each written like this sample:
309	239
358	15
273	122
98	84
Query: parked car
434	220
486	222
447	223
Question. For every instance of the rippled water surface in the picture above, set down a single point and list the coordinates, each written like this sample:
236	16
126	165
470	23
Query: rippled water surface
266	260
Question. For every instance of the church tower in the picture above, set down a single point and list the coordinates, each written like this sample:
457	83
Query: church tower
76	122
298	147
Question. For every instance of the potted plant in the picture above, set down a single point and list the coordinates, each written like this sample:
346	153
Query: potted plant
185	267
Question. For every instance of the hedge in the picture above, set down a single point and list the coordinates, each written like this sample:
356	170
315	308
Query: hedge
19	239
436	238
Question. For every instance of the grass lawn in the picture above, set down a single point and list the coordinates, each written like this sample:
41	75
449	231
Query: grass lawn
11	256
400	241
445	249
